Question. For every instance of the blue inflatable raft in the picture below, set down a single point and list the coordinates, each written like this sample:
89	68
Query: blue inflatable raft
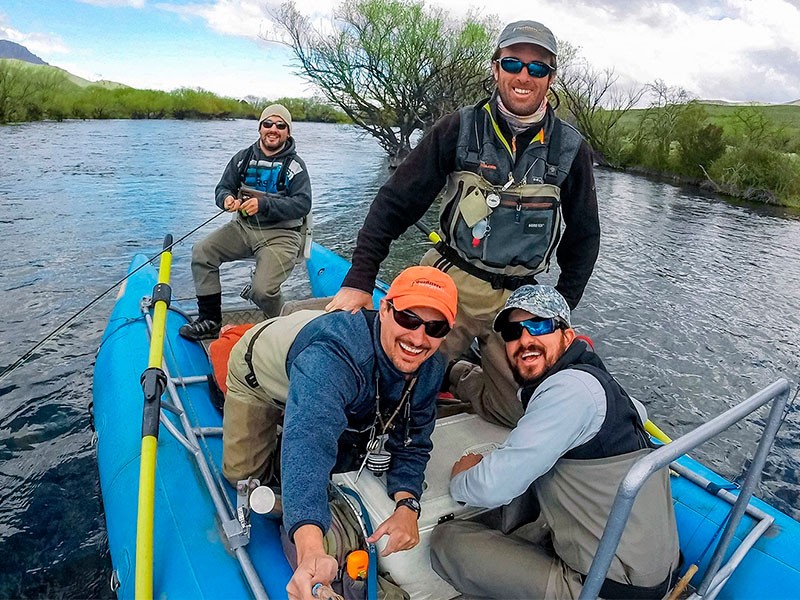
201	549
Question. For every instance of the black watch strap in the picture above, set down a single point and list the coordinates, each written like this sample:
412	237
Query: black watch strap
411	503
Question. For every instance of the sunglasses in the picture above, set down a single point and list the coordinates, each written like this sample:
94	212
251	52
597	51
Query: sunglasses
536	69
408	320
269	123
512	330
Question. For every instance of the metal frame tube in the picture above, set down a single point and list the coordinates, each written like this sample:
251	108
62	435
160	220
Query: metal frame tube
209	431
751	481
191	379
646	466
722	576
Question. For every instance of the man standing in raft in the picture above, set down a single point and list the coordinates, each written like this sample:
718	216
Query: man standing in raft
511	172
268	185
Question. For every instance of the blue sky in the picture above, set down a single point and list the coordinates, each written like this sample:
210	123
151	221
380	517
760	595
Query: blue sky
735	50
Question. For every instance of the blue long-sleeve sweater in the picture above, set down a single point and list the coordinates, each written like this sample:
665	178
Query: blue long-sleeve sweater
333	365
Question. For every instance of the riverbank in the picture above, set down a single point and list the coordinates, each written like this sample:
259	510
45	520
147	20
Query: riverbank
746	152
749	194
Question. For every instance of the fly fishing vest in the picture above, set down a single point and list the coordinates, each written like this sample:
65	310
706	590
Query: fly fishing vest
266	176
577	494
501	209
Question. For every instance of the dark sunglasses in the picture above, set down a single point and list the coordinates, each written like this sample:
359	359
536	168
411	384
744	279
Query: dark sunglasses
512	330
268	123
536	69
408	320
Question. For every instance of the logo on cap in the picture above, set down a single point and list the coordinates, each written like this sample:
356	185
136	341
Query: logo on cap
427	283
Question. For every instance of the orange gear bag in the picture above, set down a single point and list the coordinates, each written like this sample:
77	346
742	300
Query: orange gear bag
220	350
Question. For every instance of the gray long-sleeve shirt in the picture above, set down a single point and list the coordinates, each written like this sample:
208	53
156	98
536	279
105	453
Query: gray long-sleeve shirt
567	410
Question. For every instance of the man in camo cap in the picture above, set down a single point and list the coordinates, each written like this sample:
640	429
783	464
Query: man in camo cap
577	439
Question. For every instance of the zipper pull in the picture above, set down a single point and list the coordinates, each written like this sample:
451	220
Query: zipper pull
509	183
518	211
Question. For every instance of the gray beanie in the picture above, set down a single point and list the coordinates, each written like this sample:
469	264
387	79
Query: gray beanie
278	110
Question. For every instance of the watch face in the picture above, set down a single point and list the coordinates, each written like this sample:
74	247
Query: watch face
411	503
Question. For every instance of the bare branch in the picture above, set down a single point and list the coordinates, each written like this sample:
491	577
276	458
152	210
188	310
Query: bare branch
393	67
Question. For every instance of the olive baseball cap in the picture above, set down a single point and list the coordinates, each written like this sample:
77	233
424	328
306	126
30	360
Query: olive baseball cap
528	32
541	301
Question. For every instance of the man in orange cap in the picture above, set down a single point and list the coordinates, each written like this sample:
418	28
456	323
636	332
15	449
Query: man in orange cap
509	172
350	389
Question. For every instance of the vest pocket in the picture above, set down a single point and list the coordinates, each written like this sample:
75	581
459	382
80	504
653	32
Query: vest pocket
519	233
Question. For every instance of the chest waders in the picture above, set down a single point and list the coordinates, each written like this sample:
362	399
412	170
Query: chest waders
252	185
501	214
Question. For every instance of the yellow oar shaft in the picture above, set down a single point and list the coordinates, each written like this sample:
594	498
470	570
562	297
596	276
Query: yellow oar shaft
145	519
656	432
153	383
160	315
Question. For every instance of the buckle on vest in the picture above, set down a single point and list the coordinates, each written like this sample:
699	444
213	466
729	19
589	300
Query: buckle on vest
497	281
251	380
514	282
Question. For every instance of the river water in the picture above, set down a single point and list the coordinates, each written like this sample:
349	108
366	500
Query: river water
693	305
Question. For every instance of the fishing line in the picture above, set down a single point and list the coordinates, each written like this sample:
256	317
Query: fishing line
21	360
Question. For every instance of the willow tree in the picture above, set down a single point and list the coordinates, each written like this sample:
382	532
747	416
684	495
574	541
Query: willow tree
594	102
394	67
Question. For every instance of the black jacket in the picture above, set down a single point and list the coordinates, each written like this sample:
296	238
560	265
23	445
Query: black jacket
413	187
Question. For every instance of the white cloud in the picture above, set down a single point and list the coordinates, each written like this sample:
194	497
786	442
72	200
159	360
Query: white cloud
38	43
247	18
116	3
242	18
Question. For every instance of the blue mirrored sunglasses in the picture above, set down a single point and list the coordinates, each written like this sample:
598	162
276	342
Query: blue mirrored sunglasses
512	330
536	68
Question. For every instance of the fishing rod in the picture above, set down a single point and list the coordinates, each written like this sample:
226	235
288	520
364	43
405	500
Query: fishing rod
21	360
429	233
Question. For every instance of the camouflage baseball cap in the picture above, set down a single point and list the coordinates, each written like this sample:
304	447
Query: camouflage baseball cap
541	301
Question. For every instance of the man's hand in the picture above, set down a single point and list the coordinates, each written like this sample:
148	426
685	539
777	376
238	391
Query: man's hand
231	204
313	568
313	565
249	207
402	530
350	299
465	462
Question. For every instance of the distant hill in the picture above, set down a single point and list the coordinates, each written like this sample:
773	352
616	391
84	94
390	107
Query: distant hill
79	81
746	103
13	51
10	49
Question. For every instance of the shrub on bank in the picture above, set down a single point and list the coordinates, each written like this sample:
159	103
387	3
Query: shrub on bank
759	173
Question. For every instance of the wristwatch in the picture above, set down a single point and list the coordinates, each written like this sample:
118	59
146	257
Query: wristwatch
411	503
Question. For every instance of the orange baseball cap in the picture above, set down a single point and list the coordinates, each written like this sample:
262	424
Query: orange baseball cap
425	286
